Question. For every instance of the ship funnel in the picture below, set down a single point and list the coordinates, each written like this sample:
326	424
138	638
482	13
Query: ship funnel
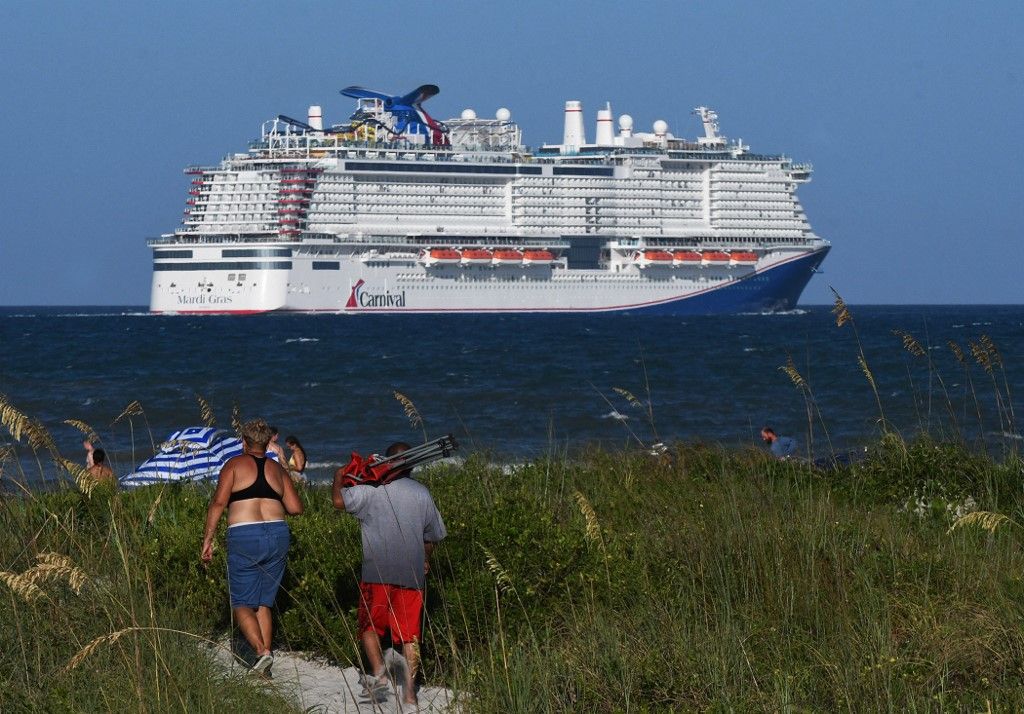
605	130
316	118
573	137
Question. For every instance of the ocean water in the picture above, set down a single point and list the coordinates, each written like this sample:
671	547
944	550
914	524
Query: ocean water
513	386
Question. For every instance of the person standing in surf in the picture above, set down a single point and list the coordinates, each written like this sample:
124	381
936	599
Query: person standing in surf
257	493
782	447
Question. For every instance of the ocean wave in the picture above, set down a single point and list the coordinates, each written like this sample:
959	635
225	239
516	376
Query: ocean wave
80	314
1007	435
775	313
616	415
301	339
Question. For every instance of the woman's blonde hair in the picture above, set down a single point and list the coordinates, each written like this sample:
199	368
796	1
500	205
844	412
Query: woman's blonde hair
256	433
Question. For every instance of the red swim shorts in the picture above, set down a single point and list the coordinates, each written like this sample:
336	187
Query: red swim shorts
389	607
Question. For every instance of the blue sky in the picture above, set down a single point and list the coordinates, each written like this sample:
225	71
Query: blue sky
911	113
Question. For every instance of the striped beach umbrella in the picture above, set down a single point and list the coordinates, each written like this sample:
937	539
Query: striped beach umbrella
196	453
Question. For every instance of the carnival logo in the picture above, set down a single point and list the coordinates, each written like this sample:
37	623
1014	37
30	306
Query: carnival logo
364	298
353	298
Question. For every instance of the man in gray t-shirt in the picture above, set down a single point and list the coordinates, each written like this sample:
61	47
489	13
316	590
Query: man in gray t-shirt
399	525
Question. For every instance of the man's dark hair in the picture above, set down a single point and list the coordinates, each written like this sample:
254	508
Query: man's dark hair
99	456
274	431
397	448
768	430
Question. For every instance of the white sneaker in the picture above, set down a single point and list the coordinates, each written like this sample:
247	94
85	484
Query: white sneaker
262	665
376	688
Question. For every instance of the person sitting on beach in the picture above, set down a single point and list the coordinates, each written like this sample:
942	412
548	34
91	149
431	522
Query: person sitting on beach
100	470
297	460
782	447
257	493
274	446
89	449
399	525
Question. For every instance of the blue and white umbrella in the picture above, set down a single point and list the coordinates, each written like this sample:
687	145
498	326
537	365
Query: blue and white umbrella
196	453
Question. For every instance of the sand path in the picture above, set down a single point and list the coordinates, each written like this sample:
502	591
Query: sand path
321	688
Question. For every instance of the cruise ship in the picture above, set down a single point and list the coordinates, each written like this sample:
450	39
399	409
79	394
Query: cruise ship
394	211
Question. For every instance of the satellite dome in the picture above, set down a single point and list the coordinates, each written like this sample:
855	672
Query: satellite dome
626	122
503	114
468	114
661	127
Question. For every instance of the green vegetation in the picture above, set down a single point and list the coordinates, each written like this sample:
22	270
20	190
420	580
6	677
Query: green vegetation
702	580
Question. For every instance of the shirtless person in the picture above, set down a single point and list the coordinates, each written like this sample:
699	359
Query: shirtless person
257	493
99	469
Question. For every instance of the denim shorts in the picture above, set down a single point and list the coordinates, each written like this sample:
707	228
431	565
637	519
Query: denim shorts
256	556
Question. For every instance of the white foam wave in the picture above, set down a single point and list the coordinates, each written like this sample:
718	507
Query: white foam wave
80	314
774	313
1007	435
616	415
301	339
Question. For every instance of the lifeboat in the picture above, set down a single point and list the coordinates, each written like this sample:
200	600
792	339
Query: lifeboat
686	257
440	256
714	257
743	257
538	257
476	256
507	256
649	258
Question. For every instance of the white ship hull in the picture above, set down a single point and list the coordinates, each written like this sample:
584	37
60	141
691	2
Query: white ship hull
356	287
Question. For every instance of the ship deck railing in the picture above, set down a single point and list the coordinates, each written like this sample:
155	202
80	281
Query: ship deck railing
293	147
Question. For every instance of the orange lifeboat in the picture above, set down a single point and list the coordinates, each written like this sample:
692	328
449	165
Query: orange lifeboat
476	256
686	257
440	256
743	257
507	256
714	257
648	258
538	257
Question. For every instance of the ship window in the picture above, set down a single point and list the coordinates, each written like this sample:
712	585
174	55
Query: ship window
256	253
268	265
231	276
172	254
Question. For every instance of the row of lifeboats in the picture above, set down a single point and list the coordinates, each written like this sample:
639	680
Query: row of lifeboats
676	258
484	256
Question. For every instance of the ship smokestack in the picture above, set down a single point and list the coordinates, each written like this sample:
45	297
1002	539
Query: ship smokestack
573	137
316	118
605	131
